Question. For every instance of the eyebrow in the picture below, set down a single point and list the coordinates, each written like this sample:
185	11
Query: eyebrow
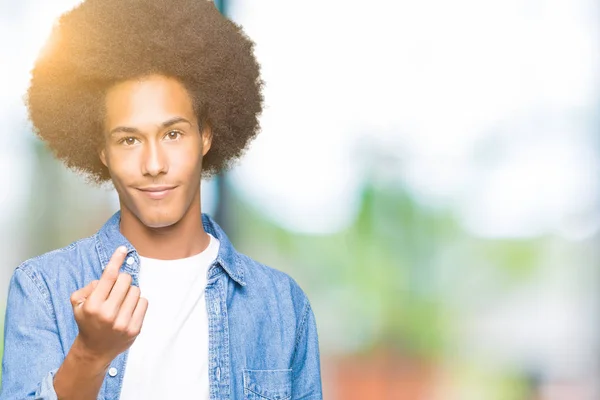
166	124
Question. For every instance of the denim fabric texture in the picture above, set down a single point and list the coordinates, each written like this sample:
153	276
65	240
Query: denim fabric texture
263	341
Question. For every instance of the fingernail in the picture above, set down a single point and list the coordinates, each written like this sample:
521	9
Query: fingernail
122	249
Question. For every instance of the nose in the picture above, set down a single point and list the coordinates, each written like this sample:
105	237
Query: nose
154	161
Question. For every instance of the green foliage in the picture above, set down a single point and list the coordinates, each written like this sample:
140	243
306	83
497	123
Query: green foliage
385	281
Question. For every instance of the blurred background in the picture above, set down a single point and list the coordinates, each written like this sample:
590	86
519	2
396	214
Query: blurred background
428	172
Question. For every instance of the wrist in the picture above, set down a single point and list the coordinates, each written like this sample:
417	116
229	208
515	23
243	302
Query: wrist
81	374
83	354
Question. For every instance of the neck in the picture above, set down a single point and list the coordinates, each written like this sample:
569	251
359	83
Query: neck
183	239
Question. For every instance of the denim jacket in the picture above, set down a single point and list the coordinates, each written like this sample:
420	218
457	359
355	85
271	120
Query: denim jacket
262	334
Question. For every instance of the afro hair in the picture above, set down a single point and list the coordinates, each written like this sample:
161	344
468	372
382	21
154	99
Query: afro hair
102	42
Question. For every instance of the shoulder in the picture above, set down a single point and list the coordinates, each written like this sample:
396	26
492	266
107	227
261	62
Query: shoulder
76	261
66	254
49	276
270	282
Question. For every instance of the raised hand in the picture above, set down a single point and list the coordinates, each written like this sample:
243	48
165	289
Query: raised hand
109	312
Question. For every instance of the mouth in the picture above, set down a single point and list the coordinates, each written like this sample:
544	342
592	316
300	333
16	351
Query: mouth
156	192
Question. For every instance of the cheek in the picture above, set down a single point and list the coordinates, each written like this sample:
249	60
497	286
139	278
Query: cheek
123	167
186	159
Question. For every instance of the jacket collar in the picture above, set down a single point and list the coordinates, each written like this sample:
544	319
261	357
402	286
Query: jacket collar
109	237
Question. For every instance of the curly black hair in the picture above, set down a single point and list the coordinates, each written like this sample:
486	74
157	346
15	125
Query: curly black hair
102	42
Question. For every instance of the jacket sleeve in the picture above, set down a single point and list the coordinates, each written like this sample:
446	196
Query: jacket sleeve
32	349
306	365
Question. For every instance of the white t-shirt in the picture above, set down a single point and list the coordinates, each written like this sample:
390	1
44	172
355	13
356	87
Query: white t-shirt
169	358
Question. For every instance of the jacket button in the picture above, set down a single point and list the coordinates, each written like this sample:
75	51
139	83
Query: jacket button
112	371
129	260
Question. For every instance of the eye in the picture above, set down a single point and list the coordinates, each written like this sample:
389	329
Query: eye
173	135
128	141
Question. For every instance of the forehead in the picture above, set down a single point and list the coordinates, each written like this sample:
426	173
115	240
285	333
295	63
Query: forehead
147	101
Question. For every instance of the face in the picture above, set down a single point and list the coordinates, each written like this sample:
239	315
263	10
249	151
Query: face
153	149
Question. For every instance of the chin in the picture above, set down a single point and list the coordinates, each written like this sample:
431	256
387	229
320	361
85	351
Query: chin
158	220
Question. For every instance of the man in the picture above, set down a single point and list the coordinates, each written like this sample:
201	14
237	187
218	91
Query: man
152	95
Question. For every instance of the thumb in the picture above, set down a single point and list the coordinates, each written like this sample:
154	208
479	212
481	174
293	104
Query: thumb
79	296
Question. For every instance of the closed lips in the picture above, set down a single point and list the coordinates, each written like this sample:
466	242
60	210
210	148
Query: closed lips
156	188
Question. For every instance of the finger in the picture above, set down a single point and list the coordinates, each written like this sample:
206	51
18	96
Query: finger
79	296
127	307
137	319
118	292
110	275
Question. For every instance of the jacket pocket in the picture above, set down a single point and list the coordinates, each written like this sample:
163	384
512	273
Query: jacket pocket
267	384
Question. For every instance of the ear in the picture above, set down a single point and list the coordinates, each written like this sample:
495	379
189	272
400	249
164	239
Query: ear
102	155
206	136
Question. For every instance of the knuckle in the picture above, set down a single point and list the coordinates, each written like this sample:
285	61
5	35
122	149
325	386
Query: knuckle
89	308
110	275
120	327
142	304
124	276
123	280
133	332
106	317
